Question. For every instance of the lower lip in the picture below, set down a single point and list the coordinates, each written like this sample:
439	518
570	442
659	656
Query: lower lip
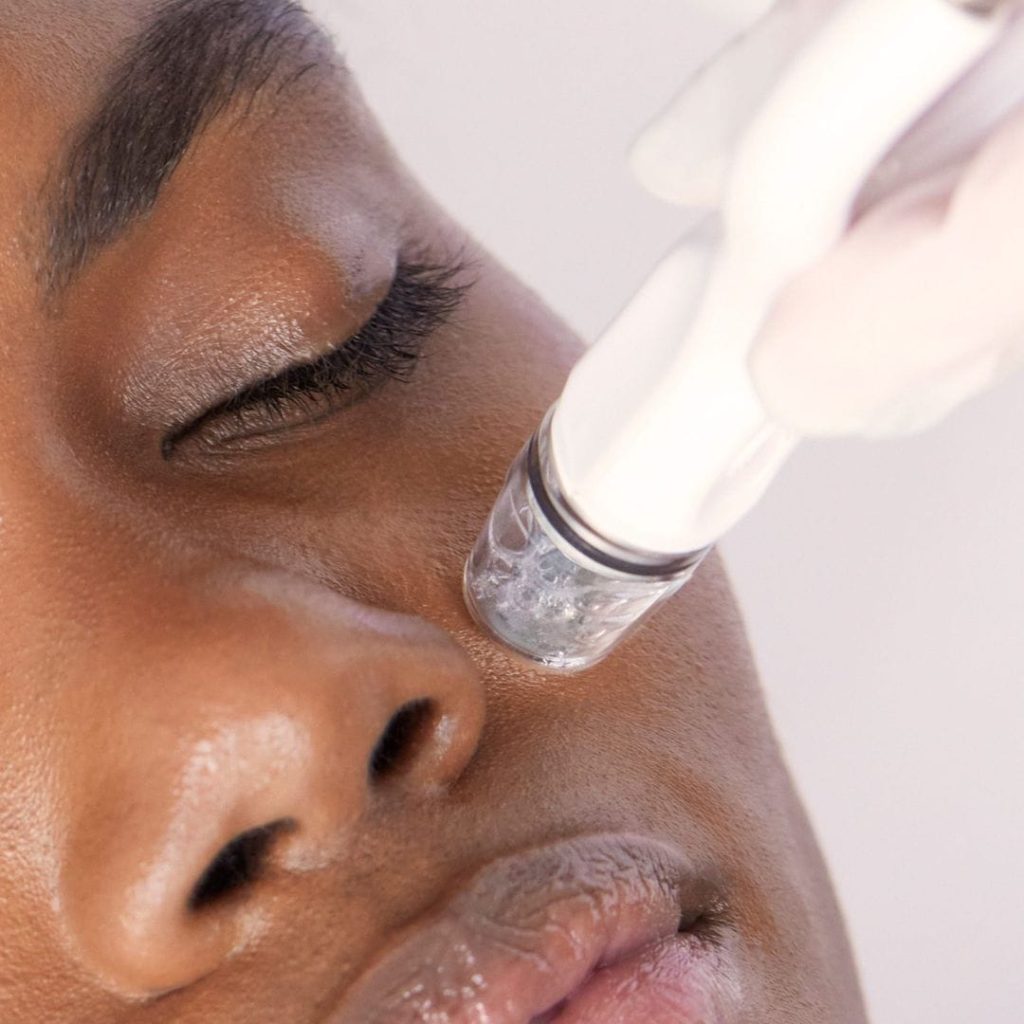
669	982
581	932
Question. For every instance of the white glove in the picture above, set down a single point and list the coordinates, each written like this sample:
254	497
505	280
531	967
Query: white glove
920	306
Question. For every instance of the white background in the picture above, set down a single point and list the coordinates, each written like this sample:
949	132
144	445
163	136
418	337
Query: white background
883	584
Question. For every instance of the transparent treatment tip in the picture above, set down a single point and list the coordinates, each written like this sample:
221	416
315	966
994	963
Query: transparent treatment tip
545	585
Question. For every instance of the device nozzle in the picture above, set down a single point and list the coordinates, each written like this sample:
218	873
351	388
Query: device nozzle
548	588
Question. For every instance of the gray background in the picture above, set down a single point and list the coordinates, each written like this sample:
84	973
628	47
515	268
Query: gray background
883	584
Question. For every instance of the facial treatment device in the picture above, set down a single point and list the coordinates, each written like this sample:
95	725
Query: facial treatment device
659	443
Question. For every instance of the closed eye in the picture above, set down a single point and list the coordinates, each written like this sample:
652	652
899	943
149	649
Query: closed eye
423	297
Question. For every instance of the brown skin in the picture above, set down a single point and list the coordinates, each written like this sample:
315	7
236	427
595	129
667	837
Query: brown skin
195	647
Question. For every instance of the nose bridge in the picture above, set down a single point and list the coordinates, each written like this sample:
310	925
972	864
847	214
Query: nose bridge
68	561
230	712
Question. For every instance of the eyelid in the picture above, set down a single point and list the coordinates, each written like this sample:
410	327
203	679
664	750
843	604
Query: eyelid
425	292
222	398
252	390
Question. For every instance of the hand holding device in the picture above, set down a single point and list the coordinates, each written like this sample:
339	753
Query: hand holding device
919	306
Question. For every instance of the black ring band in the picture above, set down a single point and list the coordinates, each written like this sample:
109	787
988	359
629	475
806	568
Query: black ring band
667	570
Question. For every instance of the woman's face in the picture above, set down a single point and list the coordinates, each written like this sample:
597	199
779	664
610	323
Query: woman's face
256	763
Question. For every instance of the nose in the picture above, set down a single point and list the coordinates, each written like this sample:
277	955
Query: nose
240	743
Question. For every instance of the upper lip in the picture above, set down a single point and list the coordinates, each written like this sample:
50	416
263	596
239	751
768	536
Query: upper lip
525	932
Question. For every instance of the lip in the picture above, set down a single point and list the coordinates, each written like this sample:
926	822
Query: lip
586	931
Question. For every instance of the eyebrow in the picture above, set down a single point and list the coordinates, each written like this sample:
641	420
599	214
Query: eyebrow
182	70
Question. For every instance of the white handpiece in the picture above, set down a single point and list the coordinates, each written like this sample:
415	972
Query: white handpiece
659	443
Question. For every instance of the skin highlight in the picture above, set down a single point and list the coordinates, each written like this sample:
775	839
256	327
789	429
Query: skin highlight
215	642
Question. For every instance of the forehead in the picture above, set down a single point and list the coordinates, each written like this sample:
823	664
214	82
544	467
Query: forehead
67	46
119	133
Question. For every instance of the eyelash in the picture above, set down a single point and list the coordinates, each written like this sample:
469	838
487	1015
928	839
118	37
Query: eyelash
423	297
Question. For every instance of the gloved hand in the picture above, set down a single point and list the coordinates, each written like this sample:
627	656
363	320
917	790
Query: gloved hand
920	306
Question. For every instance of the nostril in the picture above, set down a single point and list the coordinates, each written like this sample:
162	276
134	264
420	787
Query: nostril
237	865
401	739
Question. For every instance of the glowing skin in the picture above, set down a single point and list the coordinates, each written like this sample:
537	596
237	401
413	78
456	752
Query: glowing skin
197	647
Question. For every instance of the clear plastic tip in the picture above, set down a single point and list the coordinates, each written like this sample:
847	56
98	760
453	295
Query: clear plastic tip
545	585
